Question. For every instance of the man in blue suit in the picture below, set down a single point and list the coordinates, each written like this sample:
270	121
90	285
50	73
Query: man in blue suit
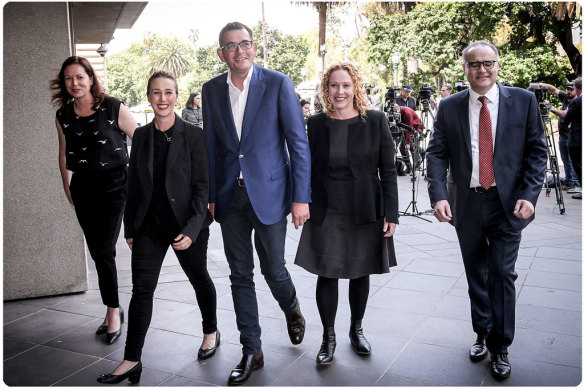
486	163
259	173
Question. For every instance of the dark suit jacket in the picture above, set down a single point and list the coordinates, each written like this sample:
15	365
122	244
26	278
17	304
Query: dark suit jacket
371	158
187	178
273	152
519	158
574	119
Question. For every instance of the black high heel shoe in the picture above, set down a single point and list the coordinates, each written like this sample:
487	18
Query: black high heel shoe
111	338
208	353
133	375
102	329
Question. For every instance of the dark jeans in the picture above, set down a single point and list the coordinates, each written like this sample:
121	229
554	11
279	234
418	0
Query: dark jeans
99	200
571	179
147	257
269	243
327	298
489	246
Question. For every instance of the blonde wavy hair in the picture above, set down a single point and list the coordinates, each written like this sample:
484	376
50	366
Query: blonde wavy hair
360	101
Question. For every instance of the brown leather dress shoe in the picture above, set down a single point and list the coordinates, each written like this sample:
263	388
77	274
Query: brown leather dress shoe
242	371
500	366
479	350
296	325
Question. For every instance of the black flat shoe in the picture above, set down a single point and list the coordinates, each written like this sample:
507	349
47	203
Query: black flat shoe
111	338
327	348
133	375
358	340
500	366
208	353
479	350
242	371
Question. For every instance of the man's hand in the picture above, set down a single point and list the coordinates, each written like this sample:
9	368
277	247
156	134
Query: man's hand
442	211
129	241
388	229
181	242
523	209
212	209
300	214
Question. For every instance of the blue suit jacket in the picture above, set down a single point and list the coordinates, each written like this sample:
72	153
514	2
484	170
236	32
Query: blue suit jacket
275	175
519	159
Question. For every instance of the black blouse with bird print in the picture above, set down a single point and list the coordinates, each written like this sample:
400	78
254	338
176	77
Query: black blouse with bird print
96	142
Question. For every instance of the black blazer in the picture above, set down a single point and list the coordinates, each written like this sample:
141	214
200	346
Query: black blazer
371	158
519	158
187	178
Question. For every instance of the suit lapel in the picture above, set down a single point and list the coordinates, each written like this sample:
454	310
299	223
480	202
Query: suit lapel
464	123
502	117
149	154
225	101
175	147
257	88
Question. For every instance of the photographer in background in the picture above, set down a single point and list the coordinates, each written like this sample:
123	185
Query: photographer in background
574	120
444	92
571	181
405	99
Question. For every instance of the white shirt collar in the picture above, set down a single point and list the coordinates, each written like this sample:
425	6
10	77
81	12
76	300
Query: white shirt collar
492	94
245	82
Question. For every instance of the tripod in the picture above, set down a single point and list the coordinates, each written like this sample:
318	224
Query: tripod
414	172
553	167
428	121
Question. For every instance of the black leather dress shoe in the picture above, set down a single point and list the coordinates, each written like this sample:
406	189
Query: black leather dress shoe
358	341
112	337
102	329
479	350
296	325
327	348
242	371
500	366
133	375
208	353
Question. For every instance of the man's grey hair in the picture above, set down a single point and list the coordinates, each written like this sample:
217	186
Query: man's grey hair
578	83
476	44
233	26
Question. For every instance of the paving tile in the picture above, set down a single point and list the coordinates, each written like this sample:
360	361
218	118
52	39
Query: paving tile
436	267
14	311
562	281
50	366
547	347
454	307
549	319
14	347
560	253
183	381
556	266
406	300
438	364
440	331
422	282
551	298
394	380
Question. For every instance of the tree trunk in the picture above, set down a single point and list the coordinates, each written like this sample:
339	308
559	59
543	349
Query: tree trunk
321	30
565	38
266	65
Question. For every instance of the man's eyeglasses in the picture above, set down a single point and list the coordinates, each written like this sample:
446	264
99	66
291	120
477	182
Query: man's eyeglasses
476	65
232	46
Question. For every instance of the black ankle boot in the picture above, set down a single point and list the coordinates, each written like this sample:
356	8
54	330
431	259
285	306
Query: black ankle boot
327	348
358	341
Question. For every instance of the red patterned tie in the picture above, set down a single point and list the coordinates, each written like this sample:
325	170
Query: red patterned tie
486	172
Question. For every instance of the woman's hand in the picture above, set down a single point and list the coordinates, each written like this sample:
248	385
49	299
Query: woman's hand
388	229
129	241
182	242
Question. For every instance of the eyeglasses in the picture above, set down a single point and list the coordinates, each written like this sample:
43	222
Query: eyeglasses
476	65
232	46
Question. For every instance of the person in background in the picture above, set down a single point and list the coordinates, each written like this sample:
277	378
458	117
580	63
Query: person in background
192	112
92	128
486	163
167	206
259	173
405	100
574	119
444	92
571	180
305	104
354	206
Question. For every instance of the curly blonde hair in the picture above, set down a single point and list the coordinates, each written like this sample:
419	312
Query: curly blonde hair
360	101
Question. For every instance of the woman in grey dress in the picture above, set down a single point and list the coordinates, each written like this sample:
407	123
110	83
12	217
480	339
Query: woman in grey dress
192	113
354	208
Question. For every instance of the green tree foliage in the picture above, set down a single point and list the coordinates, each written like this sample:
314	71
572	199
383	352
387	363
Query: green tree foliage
286	53
436	33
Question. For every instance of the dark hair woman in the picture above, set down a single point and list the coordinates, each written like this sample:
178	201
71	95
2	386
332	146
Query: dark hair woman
193	113
354	208
167	206
93	157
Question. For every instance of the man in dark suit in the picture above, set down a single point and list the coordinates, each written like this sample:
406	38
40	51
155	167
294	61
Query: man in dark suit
574	119
486	162
259	172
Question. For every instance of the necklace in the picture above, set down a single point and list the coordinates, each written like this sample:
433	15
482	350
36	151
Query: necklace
168	138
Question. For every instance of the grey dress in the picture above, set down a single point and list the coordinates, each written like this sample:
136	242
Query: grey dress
339	248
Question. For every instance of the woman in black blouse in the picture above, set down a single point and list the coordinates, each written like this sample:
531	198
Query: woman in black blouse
168	198
93	157
193	113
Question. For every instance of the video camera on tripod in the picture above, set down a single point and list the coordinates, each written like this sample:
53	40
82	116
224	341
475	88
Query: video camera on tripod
393	115
541	96
424	96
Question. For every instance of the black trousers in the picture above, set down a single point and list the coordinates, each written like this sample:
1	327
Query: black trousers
489	246
99	200
576	157
147	257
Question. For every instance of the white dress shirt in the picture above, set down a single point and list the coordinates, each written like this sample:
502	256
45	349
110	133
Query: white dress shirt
238	100
474	109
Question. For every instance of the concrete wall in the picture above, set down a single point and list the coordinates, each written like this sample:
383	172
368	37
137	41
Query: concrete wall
44	251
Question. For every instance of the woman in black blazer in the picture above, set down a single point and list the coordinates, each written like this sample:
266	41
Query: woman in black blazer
354	208
167	205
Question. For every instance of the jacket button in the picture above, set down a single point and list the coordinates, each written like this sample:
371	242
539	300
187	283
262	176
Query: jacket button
240	156
172	200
